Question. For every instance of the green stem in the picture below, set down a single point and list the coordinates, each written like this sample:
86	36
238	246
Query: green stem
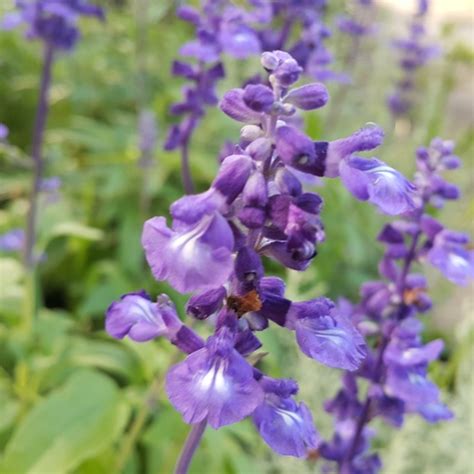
131	437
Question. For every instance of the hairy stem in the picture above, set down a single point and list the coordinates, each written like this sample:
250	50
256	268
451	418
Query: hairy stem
37	156
189	448
186	176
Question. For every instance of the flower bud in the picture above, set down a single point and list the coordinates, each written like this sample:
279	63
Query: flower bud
203	305
249	133
248	268
451	162
297	150
260	149
269	61
255	190
287	182
308	97
287	73
233	174
258	97
449	191
189	14
234	106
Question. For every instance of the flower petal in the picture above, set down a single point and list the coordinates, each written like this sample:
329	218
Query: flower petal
287	427
196	258
137	316
218	387
373	180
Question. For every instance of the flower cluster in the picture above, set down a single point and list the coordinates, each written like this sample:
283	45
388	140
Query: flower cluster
415	52
52	21
220	28
3	132
226	29
396	368
12	241
309	50
255	207
357	24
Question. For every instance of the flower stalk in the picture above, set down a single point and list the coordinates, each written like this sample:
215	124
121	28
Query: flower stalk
397	367
37	156
192	442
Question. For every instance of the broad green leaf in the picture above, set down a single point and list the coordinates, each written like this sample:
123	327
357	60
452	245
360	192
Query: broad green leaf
11	289
106	355
75	229
72	424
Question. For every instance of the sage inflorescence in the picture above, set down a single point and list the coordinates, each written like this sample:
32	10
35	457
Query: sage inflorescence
396	366
415	51
54	24
255	207
225	29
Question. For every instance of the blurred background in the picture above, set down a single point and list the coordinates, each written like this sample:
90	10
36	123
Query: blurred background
72	399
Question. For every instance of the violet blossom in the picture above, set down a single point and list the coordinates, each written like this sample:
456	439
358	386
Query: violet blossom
54	24
12	241
396	366
4	131
255	207
52	21
357	23
222	28
415	52
309	49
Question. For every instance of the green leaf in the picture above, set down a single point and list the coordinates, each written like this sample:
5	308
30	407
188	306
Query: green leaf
106	355
11	290
75	229
69	426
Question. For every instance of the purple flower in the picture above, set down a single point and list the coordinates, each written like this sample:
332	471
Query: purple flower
233	176
434	412
192	257
239	40
296	229
298	151
308	97
451	256
137	317
367	138
374	181
214	383
12	241
397	366
352	27
256	207
286	426
325	335
310	50
233	105
258	97
255	199
411	385
207	303
52	21
3	132
285	71
414	54
50	185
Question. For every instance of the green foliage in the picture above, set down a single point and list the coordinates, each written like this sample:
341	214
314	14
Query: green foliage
69	395
71	424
